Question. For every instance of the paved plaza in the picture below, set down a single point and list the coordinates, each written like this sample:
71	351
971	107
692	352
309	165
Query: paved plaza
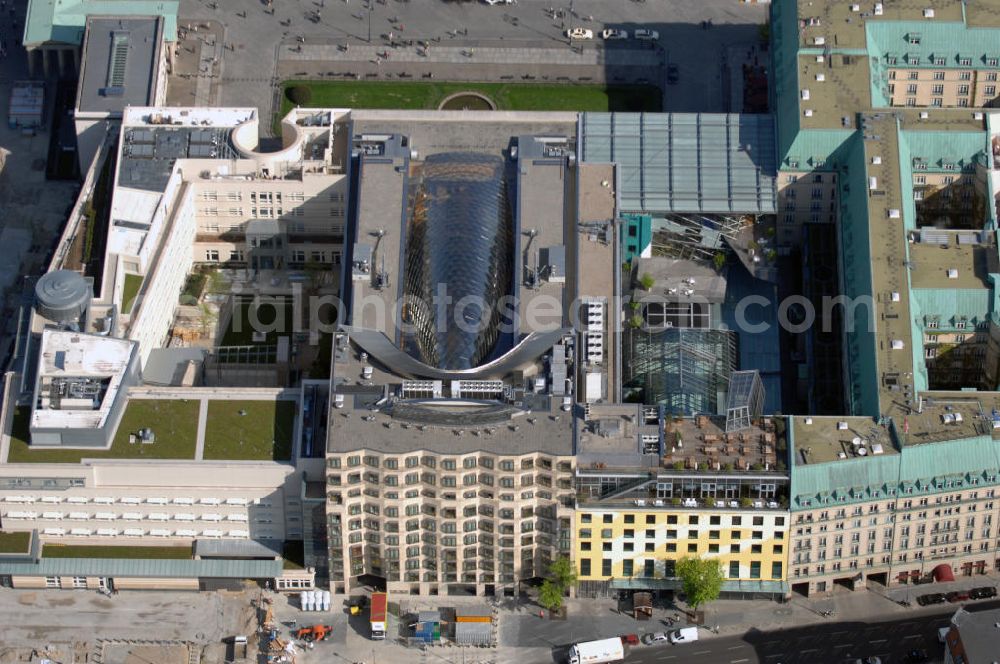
235	53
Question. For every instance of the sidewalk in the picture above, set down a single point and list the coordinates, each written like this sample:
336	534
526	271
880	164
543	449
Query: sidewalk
525	638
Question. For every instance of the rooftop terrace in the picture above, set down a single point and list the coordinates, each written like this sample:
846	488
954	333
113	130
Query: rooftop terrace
627	436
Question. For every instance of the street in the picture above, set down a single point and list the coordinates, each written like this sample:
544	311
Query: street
835	642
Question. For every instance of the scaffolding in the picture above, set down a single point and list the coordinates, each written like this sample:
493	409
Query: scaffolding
686	370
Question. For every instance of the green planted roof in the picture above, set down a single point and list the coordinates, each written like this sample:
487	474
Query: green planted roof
63	21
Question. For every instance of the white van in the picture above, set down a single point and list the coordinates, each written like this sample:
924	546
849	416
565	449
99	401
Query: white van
684	635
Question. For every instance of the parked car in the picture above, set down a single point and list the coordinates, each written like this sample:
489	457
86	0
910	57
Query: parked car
958	595
646	35
655	638
931	598
630	639
673	74
614	33
917	656
580	33
983	592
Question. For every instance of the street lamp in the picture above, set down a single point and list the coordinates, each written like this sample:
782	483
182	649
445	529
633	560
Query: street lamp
369	22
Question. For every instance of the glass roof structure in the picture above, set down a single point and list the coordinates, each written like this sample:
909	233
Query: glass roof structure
460	243
686	162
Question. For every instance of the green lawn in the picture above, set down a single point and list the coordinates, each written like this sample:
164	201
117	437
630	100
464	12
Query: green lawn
263	433
150	552
507	96
15	542
175	423
130	291
246	314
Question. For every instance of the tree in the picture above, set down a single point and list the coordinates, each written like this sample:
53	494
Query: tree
300	95
720	260
550	595
563	573
701	579
646	281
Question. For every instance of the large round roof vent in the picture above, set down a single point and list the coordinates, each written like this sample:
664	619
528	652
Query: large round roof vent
62	296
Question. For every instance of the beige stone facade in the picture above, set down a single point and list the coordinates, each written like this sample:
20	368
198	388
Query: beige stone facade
429	521
804	197
894	541
945	88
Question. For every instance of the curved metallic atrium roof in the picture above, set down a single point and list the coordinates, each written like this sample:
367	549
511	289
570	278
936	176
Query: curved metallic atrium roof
459	244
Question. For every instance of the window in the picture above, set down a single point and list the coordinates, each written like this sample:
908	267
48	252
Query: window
755	569
965	76
911	89
650	520
585	518
609	518
937	90
990	90
585	567
734	569
692	548
965	62
605	567
693	519
963	89
212	255
776	570
937	102
627	567
939	75
629	518
914	75
991	76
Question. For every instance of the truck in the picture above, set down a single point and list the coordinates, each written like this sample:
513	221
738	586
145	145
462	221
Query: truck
597	652
380	602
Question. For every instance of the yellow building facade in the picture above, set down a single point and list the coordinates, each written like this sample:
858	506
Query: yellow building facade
750	544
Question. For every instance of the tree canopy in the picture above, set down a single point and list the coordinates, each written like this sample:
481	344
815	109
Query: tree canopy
701	580
550	595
